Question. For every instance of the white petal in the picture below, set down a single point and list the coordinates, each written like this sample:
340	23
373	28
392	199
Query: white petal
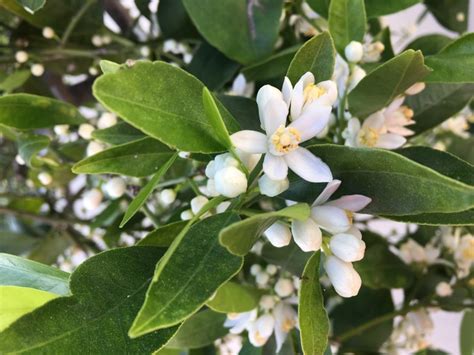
266	93
250	141
354	231
344	278
287	90
307	235
330	96
375	121
297	98
347	247
308	166
330	188
285	319
314	119
394	106
330	218
265	325
352	203
275	167
390	141
401	131
272	188
274	115
278	234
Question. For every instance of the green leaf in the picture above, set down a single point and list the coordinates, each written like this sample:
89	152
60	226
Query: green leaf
467	329
15	80
32	5
446	12
251	28
455	63
320	6
312	317
381	86
170	109
464	218
120	133
139	158
18	301
25	111
29	145
380	268
199	330
212	111
163	236
174	21
438	102
291	258
241	236
392	181
183	284
108	290
377	8
142	196
347	22
107	66
317	56
245	110
429	44
233	297
274	66
16	271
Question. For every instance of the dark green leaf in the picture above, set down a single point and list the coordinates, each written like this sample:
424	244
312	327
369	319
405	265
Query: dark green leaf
244	110
163	236
174	21
312	318
376	8
446	12
320	6
465	218
215	119
275	66
429	44
291	258
233	297
29	145
317	56
32	5
120	133
143	6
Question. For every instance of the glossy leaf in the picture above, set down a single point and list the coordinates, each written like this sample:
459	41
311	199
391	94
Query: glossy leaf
120	133
429	44
251	27
455	63
290	258
233	297
376	8
16	271
446	12
245	110
25	111
138	158
464	218
170	109
320	6
241	236
347	22
15	80
29	145
163	236
181	284
317	56
146	190
18	301
274	66
174	20
108	290
312	318
200	330
212	111
381	86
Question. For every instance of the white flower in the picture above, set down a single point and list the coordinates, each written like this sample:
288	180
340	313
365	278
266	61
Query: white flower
262	278
373	52
397	117
347	247
271	188
97	41
241	87
106	120
356	76
167	196
197	203
61	129
48	33
85	131
238	322
92	199
115	187
284	287
464	254
354	52
458	125
94	148
21	57
255	269
286	319
37	69
443	289
412	252
267	302
230	182
231	344
340	74
271	269
280	144
45	178
186	215
415	88
278	234
344	278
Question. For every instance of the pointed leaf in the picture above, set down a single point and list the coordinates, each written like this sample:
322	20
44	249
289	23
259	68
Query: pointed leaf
120	133
233	297
163	236
215	119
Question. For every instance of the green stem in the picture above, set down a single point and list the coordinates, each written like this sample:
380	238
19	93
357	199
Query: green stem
75	20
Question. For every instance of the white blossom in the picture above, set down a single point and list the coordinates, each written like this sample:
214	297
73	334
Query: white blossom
115	187
344	278
354	52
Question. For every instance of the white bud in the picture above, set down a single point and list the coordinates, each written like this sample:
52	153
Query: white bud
94	148
460	17
85	130
230	182
443	289
255	269
211	169
262	278
115	187
354	51
211	188
45	178
21	57
284	287
344	278
271	269
356	76
106	39
92	199
278	234
61	129
347	247
106	120
48	32
97	41
20	160
222	207
145	51
415	88
271	188
265	325
198	203
93	71
186	215
37	69
168	196
267	302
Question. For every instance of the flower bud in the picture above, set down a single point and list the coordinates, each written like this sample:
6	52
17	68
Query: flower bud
48	33
115	187
284	287
198	203
230	182
344	278
168	196
271	188
186	215
356	76
262	278
20	160
278	234
92	199
45	178
443	289
271	269
94	148
61	129
85	131
37	70
354	51
255	269
415	88
97	41
106	120
267	302
265	325
21	57
347	247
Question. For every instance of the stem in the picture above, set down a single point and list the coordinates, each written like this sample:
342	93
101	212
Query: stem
75	20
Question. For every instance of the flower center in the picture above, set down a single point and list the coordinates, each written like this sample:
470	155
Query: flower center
468	252
284	140
287	325
350	216
312	92
407	112
368	137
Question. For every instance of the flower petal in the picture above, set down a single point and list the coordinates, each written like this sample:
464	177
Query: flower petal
352	203
308	166
297	98
347	247
330	188
307	235
274	115
287	90
394	106
333	219
313	120
275	167
390	141
266	93
250	141
344	278
375	121
278	234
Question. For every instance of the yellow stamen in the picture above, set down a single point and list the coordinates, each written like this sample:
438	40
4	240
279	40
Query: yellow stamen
369	137
407	112
312	92
287	325
284	140
350	215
